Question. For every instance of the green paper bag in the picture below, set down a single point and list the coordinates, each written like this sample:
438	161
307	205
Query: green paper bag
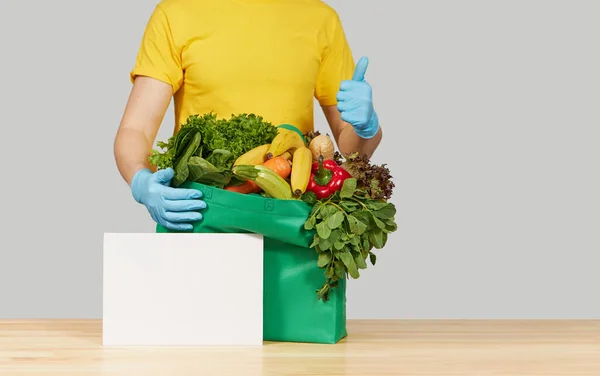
291	310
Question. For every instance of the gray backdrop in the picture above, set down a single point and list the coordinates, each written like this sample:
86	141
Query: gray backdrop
491	123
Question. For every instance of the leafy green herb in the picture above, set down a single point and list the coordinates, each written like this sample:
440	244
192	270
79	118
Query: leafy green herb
348	188
310	198
347	227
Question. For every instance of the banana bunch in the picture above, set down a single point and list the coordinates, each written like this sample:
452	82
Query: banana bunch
253	157
288	143
286	140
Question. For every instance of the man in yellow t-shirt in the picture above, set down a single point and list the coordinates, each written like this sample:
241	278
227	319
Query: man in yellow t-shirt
268	57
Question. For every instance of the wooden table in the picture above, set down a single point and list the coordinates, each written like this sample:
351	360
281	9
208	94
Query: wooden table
377	348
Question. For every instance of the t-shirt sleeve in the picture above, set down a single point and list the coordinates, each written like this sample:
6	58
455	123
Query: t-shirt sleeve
337	64
159	57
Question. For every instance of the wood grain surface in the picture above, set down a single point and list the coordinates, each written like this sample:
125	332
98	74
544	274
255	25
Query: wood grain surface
373	348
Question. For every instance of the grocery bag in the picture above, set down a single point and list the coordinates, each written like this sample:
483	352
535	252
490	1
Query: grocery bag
291	310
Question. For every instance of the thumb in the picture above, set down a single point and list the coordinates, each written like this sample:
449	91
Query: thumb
361	69
164	176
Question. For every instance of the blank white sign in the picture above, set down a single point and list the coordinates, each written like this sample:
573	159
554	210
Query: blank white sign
182	289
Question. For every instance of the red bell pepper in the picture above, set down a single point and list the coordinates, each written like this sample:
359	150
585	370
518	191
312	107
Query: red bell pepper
326	178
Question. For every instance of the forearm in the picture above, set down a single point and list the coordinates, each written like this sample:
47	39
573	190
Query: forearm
349	142
131	149
143	115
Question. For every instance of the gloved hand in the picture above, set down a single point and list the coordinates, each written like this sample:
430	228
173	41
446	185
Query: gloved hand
173	208
355	102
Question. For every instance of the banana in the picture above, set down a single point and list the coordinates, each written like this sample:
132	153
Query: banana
285	140
253	157
268	180
301	168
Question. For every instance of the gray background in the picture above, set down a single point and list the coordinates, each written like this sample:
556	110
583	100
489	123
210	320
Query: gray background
490	112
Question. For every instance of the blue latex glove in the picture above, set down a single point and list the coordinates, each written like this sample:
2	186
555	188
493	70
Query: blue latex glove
355	102
173	208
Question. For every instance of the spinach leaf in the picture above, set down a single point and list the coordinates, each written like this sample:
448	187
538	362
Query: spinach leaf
181	164
221	158
183	139
202	171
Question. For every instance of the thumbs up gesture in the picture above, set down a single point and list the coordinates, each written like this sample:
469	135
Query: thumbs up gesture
355	102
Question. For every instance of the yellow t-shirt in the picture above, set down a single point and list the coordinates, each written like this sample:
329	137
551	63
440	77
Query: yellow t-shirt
267	57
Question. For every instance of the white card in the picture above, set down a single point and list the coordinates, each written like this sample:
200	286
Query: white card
180	289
